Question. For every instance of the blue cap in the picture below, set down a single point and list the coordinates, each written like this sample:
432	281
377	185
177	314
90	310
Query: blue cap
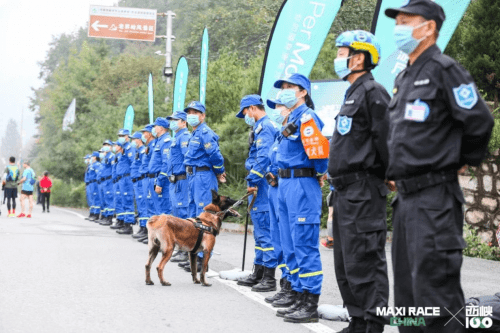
195	105
147	128
178	115
137	135
118	143
297	79
247	101
108	142
124	131
160	121
87	157
95	154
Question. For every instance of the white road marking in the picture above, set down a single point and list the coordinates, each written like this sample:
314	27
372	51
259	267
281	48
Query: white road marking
68	211
259	298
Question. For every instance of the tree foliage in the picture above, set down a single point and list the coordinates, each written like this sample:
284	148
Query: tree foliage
11	144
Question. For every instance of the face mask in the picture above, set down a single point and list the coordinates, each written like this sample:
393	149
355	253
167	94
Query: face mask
174	125
193	120
143	138
288	98
249	120
153	132
101	155
341	67
106	148
114	149
403	36
133	144
121	140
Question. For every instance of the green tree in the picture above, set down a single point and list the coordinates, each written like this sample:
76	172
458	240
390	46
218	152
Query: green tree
11	144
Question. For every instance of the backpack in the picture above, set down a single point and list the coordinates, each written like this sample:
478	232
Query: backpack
32	180
13	175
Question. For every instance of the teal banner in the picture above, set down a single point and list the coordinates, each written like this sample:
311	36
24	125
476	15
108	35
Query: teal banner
150	99
128	123
394	61
204	66
299	31
181	78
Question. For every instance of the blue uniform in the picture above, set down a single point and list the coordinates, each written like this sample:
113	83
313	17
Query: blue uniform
157	165
137	180
116	189
274	211
153	172
95	207
125	183
144	170
179	191
87	186
300	208
106	185
203	152
256	164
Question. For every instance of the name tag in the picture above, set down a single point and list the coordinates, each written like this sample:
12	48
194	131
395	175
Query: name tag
415	112
349	102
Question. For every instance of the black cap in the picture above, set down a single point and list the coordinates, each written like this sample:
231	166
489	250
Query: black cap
426	8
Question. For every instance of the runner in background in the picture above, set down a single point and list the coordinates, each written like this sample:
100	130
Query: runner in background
28	181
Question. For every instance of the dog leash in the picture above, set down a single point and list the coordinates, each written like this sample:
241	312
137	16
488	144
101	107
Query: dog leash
239	202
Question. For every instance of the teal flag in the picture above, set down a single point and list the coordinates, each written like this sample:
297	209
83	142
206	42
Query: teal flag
204	66
394	61
150	99
181	78
299	31
128	123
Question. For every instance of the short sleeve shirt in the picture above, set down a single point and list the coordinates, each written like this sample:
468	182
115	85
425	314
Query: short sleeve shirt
28	174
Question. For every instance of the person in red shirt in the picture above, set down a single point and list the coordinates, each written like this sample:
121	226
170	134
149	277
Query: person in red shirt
45	185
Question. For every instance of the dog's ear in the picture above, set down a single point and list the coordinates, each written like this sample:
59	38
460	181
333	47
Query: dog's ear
215	197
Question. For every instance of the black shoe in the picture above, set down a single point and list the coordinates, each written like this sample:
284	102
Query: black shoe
48	211
299	298
107	221
145	241
254	278
268	282
144	237
89	217
184	264
126	230
117	225
374	327
98	218
308	312
43	211
287	300
199	264
285	287
183	256
140	233
356	325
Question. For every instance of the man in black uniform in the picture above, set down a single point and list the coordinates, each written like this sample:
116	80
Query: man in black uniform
438	124
357	165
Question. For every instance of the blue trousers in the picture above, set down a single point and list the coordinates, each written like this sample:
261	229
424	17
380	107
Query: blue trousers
96	199
179	198
275	231
299	211
118	202
145	189
158	203
140	201
200	194
264	250
127	193
107	197
88	195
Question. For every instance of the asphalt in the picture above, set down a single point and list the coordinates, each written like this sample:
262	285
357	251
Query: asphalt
61	273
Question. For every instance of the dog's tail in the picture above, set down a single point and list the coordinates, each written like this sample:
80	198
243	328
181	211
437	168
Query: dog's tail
155	222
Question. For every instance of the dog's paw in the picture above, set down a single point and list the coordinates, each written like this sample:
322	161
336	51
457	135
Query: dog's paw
196	281
166	283
149	283
204	284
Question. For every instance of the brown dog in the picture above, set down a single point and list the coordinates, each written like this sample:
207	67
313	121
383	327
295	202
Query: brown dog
167	231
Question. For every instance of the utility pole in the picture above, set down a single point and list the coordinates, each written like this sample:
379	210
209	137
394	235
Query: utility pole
168	71
21	152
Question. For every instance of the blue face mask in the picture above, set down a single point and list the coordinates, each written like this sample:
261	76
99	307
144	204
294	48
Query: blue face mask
133	144
174	125
143	138
288	98
153	132
101	155
249	120
193	119
121	139
114	149
403	37
341	67
106	148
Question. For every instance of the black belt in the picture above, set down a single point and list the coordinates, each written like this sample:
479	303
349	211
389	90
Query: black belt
175	178
153	175
135	180
190	169
415	184
296	173
92	181
102	180
122	176
86	183
343	181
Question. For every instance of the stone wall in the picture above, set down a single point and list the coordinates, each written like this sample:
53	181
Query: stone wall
482	195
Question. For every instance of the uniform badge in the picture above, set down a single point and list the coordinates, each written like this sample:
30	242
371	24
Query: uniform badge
208	145
418	111
349	102
130	154
344	125
466	96
165	151
184	144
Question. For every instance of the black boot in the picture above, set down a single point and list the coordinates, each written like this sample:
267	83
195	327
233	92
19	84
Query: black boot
126	230
107	221
374	327
184	264
299	298
254	278
356	325
199	264
98	218
144	237
285	287
181	257
308	312
288	299
89	217
117	225
140	233
268	282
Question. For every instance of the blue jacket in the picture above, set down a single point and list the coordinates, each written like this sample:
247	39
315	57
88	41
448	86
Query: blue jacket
114	163
265	133
203	150
177	151
125	160
86	177
107	165
93	170
164	143
273	154
291	153
136	164
146	158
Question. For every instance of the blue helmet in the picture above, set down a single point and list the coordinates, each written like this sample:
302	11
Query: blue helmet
360	40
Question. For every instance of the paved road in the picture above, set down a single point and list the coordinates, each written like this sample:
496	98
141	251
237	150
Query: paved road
60	273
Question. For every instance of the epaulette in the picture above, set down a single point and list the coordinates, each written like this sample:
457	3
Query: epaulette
369	85
166	139
185	133
444	60
258	129
128	147
204	130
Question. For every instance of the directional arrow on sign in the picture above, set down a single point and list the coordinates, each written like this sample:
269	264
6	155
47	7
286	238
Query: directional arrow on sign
96	25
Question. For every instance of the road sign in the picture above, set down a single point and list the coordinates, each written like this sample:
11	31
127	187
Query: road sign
122	23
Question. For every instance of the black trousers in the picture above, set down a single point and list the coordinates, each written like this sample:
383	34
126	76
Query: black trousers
46	199
359	231
427	255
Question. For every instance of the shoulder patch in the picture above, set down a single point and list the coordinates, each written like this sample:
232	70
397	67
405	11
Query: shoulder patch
305	118
186	133
258	129
130	154
167	139
466	96
444	60
208	145
184	144
204	130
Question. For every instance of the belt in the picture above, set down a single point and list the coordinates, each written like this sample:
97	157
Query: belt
415	184
103	179
153	175
175	178
190	169
86	183
135	180
296	173
122	176
92	181
343	181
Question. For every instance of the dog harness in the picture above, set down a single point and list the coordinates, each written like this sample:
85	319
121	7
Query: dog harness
198	224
